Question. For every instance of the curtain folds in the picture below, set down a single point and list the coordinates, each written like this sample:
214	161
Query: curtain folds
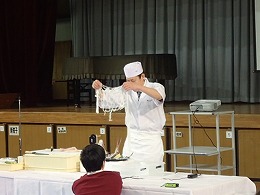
27	38
213	41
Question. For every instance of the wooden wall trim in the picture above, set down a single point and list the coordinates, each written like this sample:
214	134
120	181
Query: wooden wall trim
250	121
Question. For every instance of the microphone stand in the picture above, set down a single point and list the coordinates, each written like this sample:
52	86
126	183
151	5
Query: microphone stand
20	130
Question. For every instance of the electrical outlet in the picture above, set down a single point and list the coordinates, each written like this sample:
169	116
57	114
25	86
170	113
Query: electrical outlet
49	129
61	129
163	133
229	134
2	128
178	134
102	130
13	130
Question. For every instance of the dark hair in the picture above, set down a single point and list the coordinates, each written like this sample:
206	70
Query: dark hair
92	157
140	75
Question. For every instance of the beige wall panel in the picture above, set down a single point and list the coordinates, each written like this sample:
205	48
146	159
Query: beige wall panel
78	136
201	139
34	137
2	141
249	153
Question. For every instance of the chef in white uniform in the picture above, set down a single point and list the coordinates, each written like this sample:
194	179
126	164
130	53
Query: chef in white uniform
145	116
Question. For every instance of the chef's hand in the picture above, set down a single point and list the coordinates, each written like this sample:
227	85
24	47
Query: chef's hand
147	90
97	84
131	86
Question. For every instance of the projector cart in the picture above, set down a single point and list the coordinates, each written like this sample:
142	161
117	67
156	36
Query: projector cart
194	151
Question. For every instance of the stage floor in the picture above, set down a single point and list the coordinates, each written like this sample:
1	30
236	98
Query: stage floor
238	108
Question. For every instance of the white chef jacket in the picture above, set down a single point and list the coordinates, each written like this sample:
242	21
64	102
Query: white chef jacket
145	119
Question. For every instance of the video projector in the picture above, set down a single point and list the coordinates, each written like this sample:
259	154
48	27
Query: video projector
205	105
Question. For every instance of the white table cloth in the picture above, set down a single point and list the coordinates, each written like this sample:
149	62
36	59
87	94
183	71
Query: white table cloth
59	183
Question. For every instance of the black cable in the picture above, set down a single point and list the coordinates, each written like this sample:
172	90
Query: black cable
193	147
198	122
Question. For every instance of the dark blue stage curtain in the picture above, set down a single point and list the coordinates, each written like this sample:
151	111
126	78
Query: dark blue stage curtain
27	39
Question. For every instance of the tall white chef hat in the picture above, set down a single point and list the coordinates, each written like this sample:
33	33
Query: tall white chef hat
133	69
